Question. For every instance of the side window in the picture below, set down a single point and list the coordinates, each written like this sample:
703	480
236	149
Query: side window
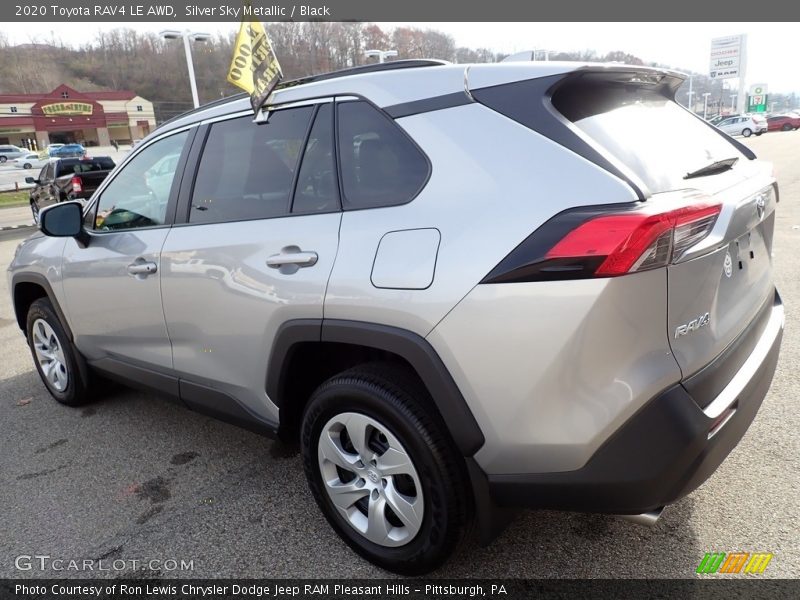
247	170
138	195
380	166
43	172
317	186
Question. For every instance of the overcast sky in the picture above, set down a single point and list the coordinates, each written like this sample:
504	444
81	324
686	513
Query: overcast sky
681	45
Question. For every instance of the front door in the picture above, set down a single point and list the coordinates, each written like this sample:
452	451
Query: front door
257	249
111	283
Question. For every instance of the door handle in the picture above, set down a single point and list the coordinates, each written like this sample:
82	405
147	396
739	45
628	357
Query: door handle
290	259
142	268
301	259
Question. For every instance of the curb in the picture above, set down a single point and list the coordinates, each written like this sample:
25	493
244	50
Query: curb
21	230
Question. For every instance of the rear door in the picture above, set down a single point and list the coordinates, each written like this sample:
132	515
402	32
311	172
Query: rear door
256	249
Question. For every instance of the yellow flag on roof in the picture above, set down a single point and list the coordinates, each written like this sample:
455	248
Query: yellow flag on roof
254	66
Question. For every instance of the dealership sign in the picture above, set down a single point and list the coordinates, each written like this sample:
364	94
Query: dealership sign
59	109
726	54
757	98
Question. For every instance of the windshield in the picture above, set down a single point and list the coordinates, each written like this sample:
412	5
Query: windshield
650	134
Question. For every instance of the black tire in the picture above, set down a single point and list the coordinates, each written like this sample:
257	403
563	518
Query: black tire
27	166
786	127
758	133
35	211
390	395
747	132
3	159
78	387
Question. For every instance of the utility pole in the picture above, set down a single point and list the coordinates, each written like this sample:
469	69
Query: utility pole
188	36
705	105
691	93
733	102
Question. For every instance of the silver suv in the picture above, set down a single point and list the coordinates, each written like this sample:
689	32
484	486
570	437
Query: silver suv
463	289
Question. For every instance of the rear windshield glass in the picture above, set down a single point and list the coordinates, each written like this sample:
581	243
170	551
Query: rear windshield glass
651	135
76	165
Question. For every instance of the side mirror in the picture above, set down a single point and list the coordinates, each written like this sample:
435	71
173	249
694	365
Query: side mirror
62	220
31	180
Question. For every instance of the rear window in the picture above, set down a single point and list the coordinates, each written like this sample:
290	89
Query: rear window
101	163
653	136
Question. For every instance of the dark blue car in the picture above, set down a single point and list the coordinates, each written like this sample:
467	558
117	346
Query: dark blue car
69	151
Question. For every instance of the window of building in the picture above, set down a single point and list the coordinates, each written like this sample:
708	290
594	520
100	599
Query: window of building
139	108
65	95
380	165
247	170
13	109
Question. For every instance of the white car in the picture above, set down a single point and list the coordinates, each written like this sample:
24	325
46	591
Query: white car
31	161
745	125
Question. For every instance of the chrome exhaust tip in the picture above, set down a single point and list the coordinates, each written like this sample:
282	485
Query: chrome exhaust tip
648	519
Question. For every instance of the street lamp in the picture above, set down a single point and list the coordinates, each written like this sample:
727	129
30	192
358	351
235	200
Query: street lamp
733	102
705	104
171	34
381	54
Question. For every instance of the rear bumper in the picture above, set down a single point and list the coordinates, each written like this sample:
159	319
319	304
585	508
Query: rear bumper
665	451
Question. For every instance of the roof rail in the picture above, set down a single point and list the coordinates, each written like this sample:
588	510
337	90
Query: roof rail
371	68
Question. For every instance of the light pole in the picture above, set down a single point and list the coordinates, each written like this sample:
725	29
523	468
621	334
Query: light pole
705	105
733	102
171	34
690	93
381	54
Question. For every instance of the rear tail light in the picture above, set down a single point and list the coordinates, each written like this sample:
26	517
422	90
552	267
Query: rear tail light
77	184
607	244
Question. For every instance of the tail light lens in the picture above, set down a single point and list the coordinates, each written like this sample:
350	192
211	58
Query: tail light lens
77	184
608	244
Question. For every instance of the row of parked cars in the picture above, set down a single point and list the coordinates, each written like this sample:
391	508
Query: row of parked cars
756	124
30	159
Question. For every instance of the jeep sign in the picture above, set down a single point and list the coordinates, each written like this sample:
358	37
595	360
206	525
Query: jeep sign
726	52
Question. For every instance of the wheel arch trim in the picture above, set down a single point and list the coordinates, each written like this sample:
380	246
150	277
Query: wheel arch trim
407	345
41	281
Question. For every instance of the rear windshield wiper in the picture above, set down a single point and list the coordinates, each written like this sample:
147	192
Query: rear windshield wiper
715	167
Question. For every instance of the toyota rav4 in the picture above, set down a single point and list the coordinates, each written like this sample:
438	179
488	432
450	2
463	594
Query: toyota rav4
462	289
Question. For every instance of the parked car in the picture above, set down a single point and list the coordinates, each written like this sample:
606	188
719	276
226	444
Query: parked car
449	329
745	125
9	152
53	147
786	122
69	151
32	160
719	118
64	179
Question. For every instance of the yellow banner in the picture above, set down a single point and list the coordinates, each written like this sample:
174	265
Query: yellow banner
254	66
67	108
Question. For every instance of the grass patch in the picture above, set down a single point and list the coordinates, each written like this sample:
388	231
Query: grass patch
9	199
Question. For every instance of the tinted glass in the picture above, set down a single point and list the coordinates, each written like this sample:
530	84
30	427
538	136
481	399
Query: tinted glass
138	195
87	165
247	170
380	165
317	187
654	137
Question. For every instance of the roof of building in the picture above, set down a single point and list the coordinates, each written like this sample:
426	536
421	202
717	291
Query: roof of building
98	95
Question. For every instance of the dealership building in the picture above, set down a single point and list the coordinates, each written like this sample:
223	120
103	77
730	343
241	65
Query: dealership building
65	115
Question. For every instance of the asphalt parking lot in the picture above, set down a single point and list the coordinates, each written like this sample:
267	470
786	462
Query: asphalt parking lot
136	477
